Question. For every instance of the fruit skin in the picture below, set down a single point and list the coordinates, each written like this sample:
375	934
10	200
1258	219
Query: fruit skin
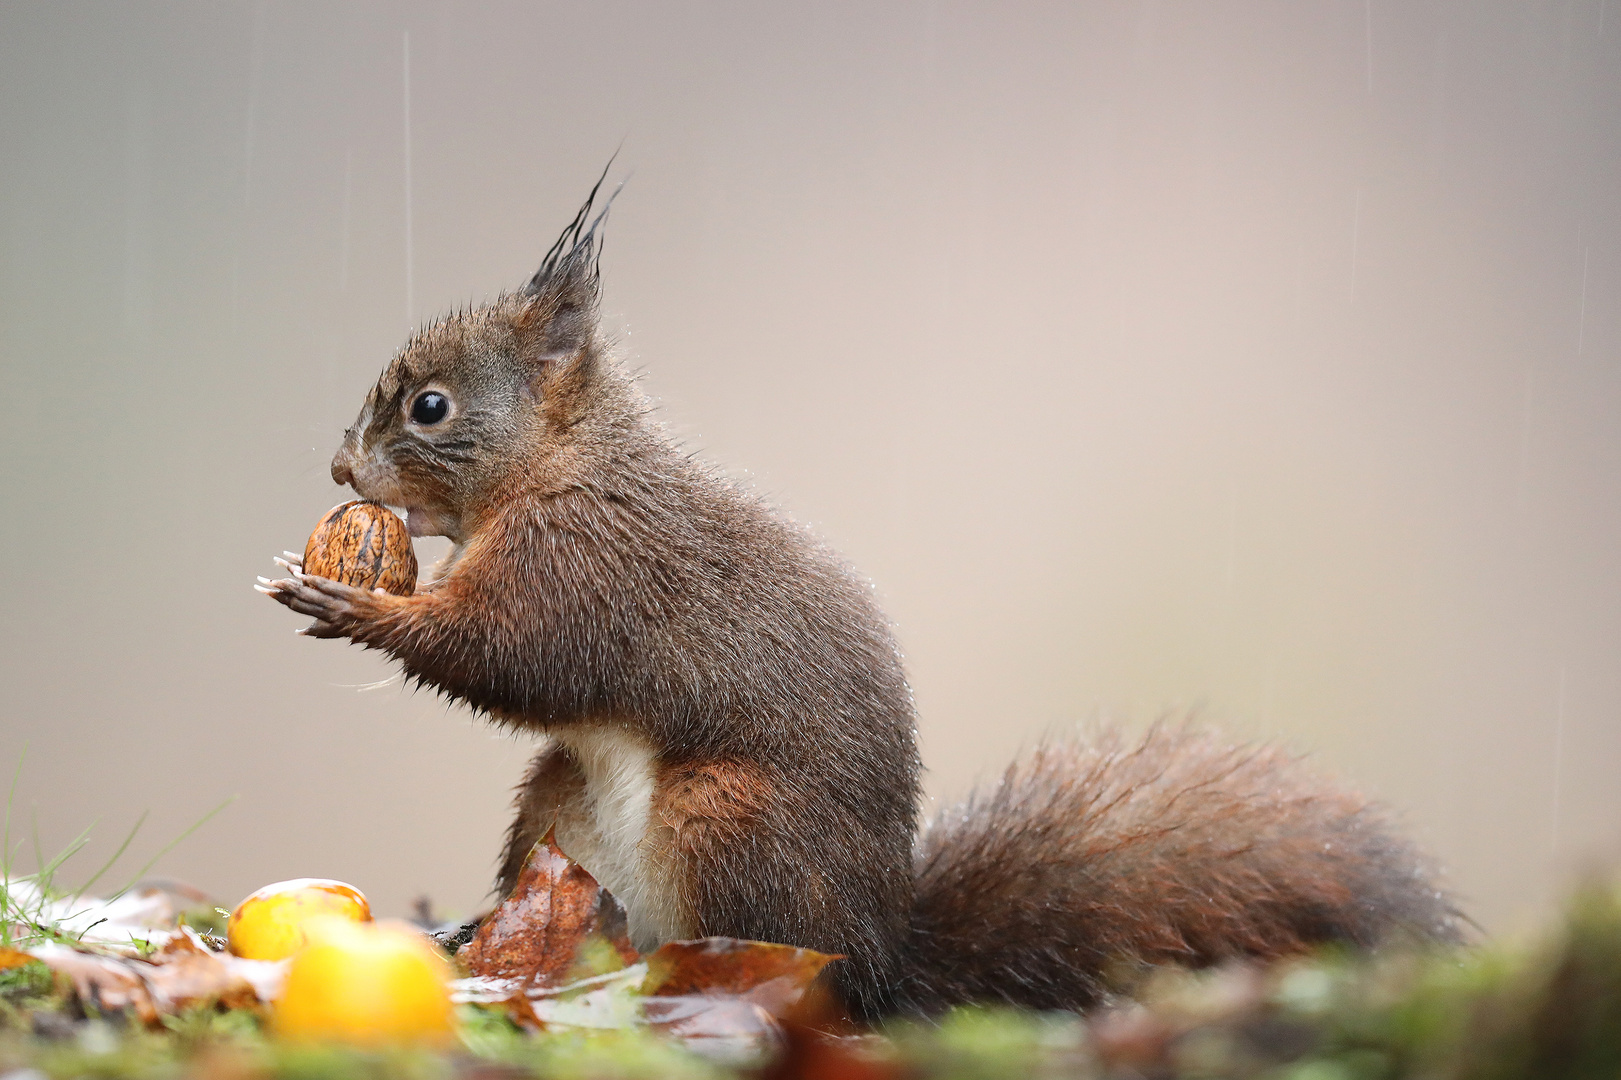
363	544
270	923
375	984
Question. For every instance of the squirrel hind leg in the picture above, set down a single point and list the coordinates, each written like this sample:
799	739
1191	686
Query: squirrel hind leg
1088	860
550	786
596	786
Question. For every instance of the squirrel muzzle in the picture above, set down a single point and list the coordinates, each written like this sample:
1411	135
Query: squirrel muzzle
349	464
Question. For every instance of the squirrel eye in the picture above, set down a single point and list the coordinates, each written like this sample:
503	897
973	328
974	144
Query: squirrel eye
430	408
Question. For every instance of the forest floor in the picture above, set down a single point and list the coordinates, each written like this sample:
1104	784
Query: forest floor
175	1006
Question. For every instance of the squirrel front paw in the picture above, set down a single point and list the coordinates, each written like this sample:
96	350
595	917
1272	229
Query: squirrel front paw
339	610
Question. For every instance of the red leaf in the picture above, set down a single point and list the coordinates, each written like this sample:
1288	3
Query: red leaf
537	932
817	1055
773	977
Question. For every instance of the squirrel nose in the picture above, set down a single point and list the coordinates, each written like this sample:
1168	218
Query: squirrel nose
341	474
343	462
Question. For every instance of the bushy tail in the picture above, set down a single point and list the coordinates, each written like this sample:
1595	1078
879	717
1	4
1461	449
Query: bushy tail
1089	861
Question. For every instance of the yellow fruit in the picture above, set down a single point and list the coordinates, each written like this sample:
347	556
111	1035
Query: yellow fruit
269	925
366	985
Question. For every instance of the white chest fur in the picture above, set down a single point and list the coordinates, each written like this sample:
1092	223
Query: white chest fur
606	835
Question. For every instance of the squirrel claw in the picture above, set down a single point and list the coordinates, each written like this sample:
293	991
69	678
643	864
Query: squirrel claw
338	609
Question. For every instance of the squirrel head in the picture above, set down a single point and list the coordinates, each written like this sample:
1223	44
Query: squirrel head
520	394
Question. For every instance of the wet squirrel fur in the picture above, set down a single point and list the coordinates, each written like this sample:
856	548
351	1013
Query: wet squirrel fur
730	735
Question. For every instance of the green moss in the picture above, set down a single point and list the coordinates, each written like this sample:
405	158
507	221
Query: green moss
632	1054
987	1043
210	921
25	980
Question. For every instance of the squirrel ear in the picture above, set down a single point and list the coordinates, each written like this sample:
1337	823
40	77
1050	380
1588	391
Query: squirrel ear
562	296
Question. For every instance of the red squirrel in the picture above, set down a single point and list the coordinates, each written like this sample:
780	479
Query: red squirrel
730	740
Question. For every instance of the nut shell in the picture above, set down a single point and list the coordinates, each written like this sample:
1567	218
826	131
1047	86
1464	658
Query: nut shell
363	544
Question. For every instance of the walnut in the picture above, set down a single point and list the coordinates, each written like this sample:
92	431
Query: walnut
363	544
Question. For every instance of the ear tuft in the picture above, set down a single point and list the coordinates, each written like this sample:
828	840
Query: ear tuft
568	275
561	299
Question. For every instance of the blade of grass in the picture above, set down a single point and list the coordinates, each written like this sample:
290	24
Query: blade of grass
108	865
91	927
33	914
170	846
48	871
5	856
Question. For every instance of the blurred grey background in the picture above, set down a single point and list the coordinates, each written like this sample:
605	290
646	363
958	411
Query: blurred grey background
1255	358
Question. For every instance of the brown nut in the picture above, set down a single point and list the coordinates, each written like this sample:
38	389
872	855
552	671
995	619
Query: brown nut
363	544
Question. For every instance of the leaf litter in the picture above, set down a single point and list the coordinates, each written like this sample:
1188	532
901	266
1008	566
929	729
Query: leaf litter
556	954
554	988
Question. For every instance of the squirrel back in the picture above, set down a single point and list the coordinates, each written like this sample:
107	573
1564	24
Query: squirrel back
730	739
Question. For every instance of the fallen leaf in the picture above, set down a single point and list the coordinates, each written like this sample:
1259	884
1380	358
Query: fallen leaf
185	973
133	916
729	1029
557	926
721	997
774	977
606	1001
10	958
483	989
102	983
817	1055
492	989
555	954
182	974
267	977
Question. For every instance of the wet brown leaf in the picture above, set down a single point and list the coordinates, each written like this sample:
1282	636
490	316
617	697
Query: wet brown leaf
182	974
557	914
185	973
817	1055
102	983
774	977
720	1027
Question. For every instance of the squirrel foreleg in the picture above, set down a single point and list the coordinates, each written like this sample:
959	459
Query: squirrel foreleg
339	610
